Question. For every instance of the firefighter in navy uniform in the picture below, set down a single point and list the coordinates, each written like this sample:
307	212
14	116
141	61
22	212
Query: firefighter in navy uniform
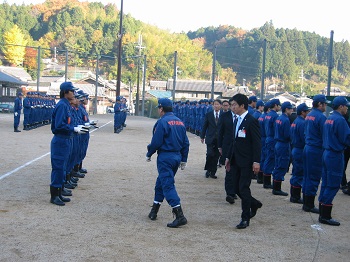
269	125
171	143
298	142
61	143
282	148
336	137
312	153
17	112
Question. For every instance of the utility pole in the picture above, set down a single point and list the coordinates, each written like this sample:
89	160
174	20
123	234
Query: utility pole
96	85
302	82
139	47
263	72
175	75
213	73
66	68
38	72
120	36
330	64
144	85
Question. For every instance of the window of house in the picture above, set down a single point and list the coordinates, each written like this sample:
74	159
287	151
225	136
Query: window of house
13	91
4	91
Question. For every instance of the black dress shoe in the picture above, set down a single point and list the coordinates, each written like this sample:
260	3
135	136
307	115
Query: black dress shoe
243	224
207	174
230	199
254	209
213	176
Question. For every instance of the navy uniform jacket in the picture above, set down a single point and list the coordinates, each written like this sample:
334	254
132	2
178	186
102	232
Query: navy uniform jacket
282	129
336	133
256	114
297	132
169	135
18	105
269	124
62	119
314	122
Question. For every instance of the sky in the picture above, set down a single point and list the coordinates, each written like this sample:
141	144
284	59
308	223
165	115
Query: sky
317	16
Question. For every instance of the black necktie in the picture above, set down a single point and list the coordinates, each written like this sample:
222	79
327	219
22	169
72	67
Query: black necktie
234	126
216	118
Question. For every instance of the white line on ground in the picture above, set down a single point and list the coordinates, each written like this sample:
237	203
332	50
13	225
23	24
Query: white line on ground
36	159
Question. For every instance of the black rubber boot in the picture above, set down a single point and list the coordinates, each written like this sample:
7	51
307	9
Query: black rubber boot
267	181
154	211
180	219
308	205
60	195
68	183
55	199
81	169
277	189
66	192
295	195
260	179
325	215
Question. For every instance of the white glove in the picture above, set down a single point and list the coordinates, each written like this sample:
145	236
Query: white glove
148	159
80	129
87	125
16	114
183	165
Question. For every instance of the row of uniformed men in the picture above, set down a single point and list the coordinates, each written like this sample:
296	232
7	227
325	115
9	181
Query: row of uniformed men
316	145
120	113
37	110
70	126
192	113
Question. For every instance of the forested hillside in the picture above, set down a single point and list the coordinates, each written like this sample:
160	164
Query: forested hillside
90	29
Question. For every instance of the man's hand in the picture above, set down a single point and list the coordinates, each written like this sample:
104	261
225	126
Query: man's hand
183	165
148	158
256	167
202	140
220	151
227	165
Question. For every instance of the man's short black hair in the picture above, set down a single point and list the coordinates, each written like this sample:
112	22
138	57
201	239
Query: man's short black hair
225	101
167	109
217	100
63	92
241	100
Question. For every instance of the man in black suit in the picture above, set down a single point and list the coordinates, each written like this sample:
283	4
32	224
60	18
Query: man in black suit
224	143
210	133
244	156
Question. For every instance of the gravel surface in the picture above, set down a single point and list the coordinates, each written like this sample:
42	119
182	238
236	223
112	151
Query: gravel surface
107	217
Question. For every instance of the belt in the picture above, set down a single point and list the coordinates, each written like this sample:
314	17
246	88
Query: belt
64	136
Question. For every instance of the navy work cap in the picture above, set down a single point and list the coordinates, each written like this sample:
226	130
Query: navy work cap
340	101
274	102
252	99
20	94
164	102
321	99
287	104
302	107
260	103
67	86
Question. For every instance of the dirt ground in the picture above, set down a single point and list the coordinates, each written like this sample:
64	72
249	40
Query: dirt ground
107	217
